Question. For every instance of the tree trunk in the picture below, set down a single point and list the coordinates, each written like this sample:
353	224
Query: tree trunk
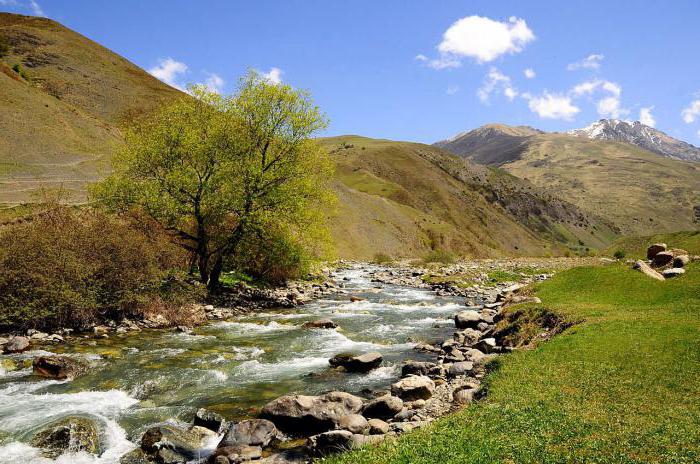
213	284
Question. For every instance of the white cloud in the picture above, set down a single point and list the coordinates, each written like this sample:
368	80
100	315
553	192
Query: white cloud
214	83
609	107
691	113
645	116
36	8
590	62
496	81
529	73
553	106
589	87
698	132
482	39
274	76
420	57
168	71
452	89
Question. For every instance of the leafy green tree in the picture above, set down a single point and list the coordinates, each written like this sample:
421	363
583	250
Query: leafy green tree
213	169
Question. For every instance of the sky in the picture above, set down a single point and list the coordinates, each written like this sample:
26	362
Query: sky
421	70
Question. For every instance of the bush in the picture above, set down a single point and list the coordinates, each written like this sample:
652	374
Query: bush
74	268
4	46
619	254
382	258
21	71
439	256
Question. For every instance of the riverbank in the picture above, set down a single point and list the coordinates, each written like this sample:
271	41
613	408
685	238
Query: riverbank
621	386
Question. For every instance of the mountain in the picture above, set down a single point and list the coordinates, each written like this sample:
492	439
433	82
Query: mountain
490	144
640	135
404	199
61	106
636	190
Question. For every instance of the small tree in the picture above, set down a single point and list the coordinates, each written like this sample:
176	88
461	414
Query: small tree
212	169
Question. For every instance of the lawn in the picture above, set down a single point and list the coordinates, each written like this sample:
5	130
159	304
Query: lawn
623	386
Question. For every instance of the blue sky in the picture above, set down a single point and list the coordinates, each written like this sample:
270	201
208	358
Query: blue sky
422	70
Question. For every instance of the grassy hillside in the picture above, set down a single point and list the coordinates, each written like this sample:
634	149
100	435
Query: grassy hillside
405	199
638	191
636	247
59	115
621	387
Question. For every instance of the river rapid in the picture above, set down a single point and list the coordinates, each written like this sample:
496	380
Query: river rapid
232	367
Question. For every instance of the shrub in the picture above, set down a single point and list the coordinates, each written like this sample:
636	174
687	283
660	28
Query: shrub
382	258
4	46
73	268
20	70
619	254
439	256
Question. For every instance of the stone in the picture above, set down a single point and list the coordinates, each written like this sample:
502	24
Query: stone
221	460
661	259
172	444
384	407
255	432
467	319
354	299
320	324
475	355
72	434
673	272
467	337
416	368
487	345
209	420
358	440
331	442
681	260
354	423
415	387
463	395
16	345
308	415
655	249
136	456
645	269
237	454
377	427
58	367
405	415
460	368
362	363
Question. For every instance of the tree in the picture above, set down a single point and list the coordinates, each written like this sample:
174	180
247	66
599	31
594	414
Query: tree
213	169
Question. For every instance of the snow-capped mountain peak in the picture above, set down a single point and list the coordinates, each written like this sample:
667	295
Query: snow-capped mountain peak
641	135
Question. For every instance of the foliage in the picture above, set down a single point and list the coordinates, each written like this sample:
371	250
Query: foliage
619	254
439	256
20	70
71	268
620	387
218	171
382	258
4	46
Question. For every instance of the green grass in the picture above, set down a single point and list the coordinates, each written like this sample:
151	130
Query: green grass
636	247
621	387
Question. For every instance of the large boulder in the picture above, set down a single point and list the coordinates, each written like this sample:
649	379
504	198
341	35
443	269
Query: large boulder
251	432
71	434
414	387
209	420
331	442
467	319
661	259
362	363
320	324
16	345
308	415
236	454
655	249
681	260
168	443
58	367
384	407
416	368
460	368
377	427
673	272
354	423
645	269
467	337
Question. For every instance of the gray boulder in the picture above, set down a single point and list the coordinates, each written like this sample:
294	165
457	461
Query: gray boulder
354	423
71	434
416	368
384	407
463	395
460	368
320	324
673	272
255	432
377	427
467	319
415	387
335	441
655	249
168	443
58	367
308	415
209	420
487	345
645	269
661	259
16	345
681	260
236	454
362	363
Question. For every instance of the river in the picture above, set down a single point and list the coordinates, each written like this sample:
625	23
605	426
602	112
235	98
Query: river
232	367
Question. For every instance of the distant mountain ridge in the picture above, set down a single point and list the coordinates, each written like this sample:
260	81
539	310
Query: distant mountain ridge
640	135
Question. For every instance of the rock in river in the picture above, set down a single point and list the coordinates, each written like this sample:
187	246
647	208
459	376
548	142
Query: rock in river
58	367
307	415
168	443
72	434
320	324
468	319
16	345
362	363
414	387
209	420
254	432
